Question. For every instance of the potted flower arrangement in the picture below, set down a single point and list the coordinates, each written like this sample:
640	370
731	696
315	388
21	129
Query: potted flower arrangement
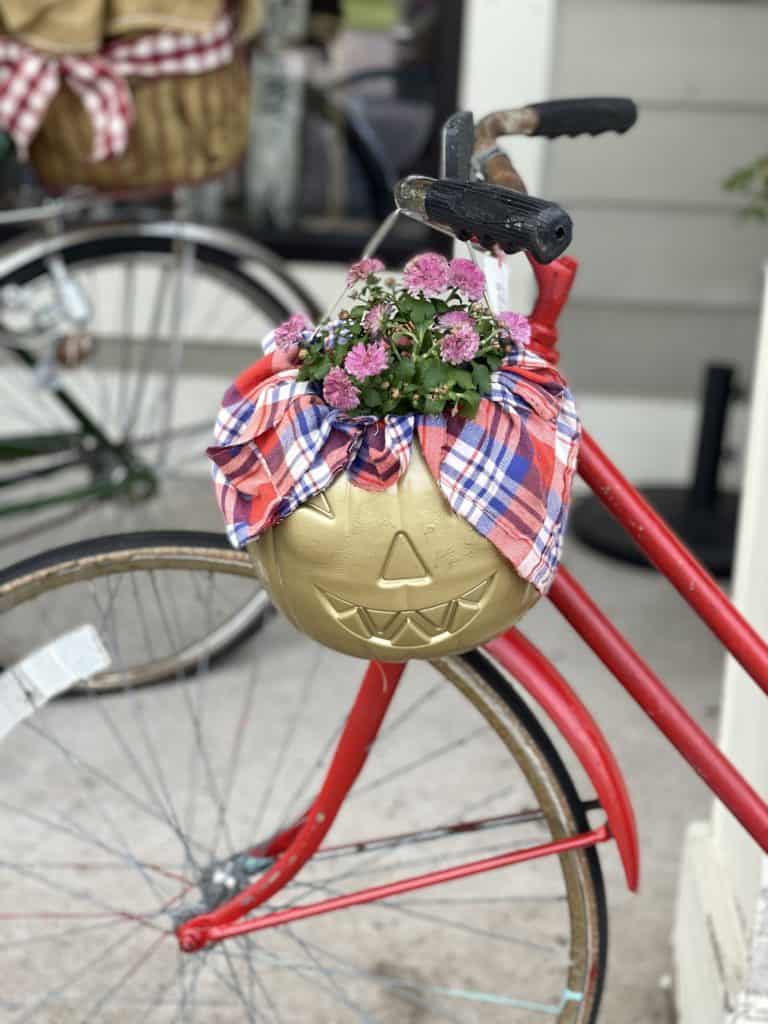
424	345
401	472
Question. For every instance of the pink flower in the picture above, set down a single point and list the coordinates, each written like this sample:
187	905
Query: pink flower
515	327
468	278
339	391
460	345
372	319
289	333
427	274
455	318
366	360
359	271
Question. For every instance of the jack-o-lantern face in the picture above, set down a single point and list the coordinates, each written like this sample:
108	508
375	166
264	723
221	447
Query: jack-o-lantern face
391	574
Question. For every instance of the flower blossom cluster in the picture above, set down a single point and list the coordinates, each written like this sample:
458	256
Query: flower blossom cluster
426	344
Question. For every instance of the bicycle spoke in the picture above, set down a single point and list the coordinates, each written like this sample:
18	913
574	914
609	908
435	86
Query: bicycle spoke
70	981
289	734
128	341
418	762
112	991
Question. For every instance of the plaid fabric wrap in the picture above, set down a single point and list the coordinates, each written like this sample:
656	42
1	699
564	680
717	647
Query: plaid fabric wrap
29	80
508	472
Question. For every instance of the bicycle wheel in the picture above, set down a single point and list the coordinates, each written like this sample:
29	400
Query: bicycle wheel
133	809
118	342
202	591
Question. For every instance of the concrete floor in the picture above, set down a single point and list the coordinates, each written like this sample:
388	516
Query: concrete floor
666	793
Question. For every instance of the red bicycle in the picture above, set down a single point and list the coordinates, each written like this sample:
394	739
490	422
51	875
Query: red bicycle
184	852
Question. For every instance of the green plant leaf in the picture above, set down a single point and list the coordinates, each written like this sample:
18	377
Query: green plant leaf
482	377
371	397
422	311
434	405
462	377
405	369
434	373
494	362
469	404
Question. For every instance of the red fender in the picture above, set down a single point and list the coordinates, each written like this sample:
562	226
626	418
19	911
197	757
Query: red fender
548	688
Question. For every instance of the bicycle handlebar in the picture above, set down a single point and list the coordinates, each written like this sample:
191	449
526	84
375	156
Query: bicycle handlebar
488	215
499	212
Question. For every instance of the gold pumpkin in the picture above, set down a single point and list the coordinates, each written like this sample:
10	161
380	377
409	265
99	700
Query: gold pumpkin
392	574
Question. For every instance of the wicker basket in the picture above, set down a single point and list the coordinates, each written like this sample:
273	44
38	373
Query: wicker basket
187	128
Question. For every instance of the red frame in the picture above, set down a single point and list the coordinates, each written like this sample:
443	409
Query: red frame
296	844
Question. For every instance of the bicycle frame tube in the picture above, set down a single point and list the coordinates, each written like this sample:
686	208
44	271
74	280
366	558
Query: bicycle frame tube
44	445
679	566
673	560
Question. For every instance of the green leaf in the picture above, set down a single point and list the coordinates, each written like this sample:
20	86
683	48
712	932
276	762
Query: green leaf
358	312
482	377
320	368
434	405
463	378
422	311
405	369
494	362
740	180
469	404
371	397
434	373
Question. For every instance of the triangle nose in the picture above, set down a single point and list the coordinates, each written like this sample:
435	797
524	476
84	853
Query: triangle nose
403	563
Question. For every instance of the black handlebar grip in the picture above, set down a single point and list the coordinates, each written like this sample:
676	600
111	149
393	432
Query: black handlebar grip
493	216
593	115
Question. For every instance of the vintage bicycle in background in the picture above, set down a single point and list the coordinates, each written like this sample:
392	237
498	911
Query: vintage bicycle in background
190	848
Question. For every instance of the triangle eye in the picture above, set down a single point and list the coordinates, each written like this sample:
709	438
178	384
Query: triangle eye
320	503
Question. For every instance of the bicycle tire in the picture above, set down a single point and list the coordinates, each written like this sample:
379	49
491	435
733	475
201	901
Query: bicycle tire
45	588
502	686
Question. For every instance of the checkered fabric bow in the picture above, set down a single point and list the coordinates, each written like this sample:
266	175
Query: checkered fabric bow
29	80
507	471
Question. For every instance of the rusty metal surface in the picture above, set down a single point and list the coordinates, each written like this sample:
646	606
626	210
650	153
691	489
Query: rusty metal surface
494	164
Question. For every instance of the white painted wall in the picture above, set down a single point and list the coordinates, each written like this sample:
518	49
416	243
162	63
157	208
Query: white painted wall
719	913
669	275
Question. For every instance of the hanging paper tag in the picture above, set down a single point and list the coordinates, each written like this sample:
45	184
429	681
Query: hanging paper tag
48	671
497	281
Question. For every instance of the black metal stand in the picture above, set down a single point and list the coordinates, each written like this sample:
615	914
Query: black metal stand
702	515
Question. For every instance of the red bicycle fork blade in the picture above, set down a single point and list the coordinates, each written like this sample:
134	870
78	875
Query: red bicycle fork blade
360	730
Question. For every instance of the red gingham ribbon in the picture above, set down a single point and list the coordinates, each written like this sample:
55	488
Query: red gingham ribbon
29	80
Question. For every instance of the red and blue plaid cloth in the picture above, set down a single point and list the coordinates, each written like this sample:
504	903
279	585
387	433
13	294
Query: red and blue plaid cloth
508	471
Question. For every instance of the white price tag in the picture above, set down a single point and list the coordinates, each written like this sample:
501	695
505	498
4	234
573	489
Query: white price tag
497	281
48	671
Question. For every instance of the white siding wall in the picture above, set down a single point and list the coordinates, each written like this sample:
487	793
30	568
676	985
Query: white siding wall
670	276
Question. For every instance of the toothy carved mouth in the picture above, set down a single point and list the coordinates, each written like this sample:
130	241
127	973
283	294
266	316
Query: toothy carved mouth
417	628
